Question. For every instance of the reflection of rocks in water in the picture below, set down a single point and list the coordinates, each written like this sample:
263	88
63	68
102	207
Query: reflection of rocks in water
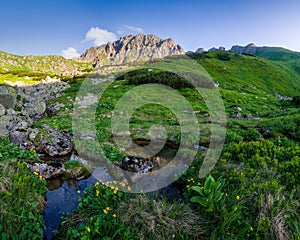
136	164
56	183
143	165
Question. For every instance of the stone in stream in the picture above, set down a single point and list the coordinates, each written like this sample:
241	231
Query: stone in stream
53	142
48	171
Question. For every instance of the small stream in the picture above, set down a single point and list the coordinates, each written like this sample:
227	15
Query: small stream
62	198
63	194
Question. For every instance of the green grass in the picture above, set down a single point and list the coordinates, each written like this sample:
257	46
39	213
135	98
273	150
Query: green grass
21	195
251	74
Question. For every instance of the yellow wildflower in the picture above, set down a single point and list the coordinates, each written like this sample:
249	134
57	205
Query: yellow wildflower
115	182
114	215
115	191
108	208
238	198
226	194
129	188
96	184
112	187
35	173
78	191
97	193
88	229
41	177
105	211
251	228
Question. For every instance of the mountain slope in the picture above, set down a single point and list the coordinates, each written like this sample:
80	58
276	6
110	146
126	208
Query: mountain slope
278	54
250	74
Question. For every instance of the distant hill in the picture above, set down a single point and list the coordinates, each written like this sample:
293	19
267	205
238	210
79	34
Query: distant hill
271	53
51	65
131	48
250	74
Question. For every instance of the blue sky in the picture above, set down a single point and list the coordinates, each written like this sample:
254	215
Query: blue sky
41	27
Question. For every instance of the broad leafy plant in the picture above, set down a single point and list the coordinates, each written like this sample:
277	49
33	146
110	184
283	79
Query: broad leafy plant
209	195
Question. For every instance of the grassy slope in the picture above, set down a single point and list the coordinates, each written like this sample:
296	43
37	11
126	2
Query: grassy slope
16	68
284	56
251	74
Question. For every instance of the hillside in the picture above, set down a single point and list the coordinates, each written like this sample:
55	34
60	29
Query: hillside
250	74
53	65
278	54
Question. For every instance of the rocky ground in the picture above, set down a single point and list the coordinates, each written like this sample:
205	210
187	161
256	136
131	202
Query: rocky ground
21	107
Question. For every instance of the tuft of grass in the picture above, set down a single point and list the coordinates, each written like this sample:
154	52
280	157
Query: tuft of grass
153	219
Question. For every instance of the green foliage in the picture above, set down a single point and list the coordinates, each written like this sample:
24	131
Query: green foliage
209	195
102	200
9	150
76	169
224	56
144	76
296	100
284	126
21	204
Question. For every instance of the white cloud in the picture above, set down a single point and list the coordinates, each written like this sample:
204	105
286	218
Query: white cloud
100	36
70	53
134	29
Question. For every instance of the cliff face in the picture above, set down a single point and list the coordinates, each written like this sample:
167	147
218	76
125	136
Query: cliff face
131	49
249	49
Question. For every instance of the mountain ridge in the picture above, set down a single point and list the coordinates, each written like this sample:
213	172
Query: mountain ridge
131	48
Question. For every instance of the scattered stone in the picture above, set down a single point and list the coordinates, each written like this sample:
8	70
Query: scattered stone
237	108
237	115
202	148
286	98
48	80
87	100
249	116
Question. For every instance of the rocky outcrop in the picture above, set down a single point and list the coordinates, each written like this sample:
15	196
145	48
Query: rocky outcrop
213	49
8	96
53	142
249	49
47	170
200	50
28	106
130	49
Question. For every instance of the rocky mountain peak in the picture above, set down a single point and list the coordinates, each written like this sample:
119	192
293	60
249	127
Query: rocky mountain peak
248	49
131	48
